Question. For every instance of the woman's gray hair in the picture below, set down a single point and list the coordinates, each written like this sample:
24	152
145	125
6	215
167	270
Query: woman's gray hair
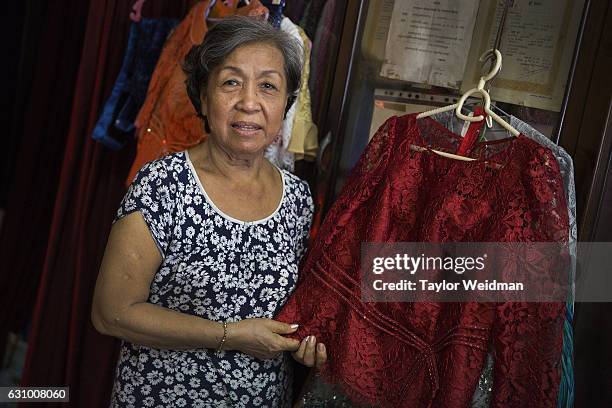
230	34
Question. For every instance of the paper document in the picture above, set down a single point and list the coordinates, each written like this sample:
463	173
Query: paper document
429	41
536	48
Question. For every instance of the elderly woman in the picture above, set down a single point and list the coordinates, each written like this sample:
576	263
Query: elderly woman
206	243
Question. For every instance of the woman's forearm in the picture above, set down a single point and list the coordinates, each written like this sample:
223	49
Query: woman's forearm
159	327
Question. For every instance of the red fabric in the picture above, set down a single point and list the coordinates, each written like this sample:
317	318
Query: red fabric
432	354
51	48
471	136
63	347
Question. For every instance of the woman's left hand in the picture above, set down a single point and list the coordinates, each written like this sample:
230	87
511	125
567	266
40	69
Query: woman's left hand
310	353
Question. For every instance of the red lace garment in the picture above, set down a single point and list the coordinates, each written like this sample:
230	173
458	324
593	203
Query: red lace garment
432	354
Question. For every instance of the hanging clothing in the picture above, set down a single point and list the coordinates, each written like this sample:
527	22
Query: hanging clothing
276	11
325	43
295	9
297	139
566	164
277	152
304	143
145	42
220	10
167	121
432	354
311	16
566	168
219	268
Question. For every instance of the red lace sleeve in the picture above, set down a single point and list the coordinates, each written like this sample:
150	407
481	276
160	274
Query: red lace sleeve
527	337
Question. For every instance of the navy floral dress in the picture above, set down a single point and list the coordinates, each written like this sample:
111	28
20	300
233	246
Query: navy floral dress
221	269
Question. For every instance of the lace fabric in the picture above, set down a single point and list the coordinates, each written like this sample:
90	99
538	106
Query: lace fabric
566	164
432	354
566	167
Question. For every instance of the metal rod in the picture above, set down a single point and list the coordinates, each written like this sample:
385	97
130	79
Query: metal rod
502	24
498	39
556	136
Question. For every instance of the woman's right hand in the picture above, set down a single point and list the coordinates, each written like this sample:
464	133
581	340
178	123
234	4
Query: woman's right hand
261	338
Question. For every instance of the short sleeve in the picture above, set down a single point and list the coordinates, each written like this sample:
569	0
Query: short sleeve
149	194
305	215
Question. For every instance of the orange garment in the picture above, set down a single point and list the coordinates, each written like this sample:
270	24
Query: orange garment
167	122
253	9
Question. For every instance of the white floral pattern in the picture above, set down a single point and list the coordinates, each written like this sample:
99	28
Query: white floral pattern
218	268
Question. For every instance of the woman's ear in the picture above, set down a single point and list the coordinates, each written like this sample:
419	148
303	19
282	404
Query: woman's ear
203	114
286	107
203	104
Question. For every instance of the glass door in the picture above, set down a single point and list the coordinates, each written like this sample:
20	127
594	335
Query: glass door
443	40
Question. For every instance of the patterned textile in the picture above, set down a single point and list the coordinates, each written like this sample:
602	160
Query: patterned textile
304	143
566	167
432	354
167	121
145	43
276	11
254	9
218	268
277	152
297	139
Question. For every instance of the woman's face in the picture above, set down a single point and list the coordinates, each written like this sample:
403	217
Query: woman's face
245	99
